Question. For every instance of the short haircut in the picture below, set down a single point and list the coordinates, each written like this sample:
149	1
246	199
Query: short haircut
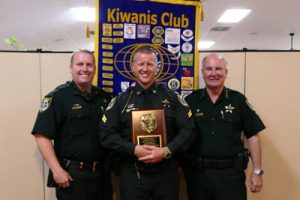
143	49
215	56
81	51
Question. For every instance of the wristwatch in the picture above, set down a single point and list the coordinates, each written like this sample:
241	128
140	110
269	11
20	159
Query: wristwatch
167	153
259	172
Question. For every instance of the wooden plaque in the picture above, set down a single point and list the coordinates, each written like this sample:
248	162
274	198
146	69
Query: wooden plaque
149	127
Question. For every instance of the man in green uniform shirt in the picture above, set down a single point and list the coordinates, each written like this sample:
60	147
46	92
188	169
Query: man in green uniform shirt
147	172
217	158
70	115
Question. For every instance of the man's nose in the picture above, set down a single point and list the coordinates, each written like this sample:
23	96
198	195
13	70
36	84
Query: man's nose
213	71
84	67
144	67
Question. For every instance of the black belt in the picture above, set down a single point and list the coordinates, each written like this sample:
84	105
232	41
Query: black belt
83	166
204	163
140	166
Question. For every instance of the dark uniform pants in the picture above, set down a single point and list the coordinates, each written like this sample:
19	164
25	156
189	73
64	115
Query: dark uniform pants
162	184
216	184
87	185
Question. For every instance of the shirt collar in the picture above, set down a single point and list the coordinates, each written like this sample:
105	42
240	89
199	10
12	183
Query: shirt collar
140	90
224	94
85	95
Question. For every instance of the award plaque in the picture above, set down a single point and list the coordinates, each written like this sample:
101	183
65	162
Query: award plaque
149	127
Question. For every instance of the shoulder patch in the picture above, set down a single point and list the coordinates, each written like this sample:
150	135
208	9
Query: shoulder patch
111	103
46	103
182	101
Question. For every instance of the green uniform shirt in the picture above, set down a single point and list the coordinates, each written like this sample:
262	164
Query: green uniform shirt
115	131
219	125
71	118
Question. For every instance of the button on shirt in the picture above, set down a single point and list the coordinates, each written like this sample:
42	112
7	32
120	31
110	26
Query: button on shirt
219	125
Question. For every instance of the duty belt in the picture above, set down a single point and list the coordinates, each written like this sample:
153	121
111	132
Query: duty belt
82	165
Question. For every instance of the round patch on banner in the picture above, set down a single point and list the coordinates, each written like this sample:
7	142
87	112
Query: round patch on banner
173	84
45	104
187	47
111	103
188	33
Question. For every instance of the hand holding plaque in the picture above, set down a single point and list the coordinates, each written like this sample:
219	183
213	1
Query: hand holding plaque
149	127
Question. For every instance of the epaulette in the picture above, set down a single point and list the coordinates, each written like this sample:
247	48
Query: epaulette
102	92
163	87
60	87
197	91
234	92
171	93
126	93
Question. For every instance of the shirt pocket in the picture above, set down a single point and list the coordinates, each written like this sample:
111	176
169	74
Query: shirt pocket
199	119
79	122
231	123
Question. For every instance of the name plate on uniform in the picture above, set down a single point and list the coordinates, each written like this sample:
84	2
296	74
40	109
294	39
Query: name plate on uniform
149	127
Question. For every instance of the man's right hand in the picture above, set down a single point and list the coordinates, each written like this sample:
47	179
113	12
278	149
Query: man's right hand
62	178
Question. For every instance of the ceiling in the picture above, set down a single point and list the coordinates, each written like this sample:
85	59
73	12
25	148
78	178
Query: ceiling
50	25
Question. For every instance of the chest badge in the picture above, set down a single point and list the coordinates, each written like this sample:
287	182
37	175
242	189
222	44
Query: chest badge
229	108
166	103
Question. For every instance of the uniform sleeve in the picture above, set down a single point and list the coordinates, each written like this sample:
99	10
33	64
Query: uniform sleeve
110	130
184	125
47	117
251	122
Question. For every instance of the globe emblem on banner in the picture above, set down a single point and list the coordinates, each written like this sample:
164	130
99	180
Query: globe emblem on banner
168	63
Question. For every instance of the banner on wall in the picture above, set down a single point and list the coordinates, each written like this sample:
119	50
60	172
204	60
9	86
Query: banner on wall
169	27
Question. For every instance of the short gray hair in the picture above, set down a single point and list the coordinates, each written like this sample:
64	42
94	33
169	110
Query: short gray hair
81	51
213	55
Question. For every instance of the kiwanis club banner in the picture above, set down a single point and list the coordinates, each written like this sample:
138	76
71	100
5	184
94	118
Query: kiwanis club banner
169	27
